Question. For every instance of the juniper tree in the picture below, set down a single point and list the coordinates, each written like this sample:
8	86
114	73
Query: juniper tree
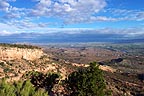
87	81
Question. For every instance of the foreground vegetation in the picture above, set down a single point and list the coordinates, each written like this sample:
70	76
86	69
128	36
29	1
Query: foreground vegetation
84	82
87	82
21	88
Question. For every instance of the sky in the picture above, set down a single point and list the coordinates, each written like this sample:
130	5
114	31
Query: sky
124	17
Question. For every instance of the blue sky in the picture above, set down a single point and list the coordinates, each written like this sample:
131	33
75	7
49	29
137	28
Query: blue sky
47	16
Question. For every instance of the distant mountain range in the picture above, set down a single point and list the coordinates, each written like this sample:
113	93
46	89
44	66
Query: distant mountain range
67	38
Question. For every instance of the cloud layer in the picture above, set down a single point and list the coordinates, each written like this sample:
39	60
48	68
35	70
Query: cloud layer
67	11
76	35
70	11
41	15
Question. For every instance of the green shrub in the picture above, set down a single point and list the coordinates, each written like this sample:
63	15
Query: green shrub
2	64
40	92
40	80
7	89
86	82
21	88
27	89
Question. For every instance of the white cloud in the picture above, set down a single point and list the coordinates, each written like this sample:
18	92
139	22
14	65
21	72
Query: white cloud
6	33
101	18
69	10
124	32
4	6
6	27
8	30
10	0
124	14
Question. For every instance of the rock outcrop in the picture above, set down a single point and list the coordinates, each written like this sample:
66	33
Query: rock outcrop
11	53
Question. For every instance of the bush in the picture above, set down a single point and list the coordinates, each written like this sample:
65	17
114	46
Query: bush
6	89
40	80
21	88
86	82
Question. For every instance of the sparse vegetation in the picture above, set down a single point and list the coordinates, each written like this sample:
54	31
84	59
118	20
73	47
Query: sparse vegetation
8	70
19	46
2	64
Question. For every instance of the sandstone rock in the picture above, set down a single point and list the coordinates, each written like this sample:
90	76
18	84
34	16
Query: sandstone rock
8	53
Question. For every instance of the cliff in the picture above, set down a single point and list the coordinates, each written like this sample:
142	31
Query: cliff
12	53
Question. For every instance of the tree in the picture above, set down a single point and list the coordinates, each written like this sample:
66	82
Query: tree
86	82
40	80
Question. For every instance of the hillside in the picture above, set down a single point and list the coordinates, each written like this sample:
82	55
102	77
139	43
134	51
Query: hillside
15	61
121	77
